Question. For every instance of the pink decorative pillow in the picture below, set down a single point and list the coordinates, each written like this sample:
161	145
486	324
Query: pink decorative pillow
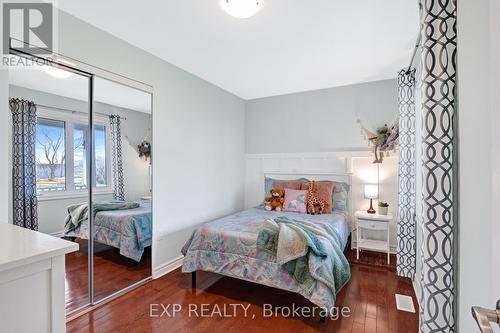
295	201
324	191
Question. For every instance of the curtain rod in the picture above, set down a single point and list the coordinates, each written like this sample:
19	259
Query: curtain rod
417	45
75	111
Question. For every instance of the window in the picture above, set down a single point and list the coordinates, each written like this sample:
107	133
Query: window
50	155
80	157
61	155
100	156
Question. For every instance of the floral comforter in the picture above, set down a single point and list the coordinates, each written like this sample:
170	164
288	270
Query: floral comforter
227	246
129	230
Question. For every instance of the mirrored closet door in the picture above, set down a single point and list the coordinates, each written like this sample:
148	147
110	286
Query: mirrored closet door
121	196
50	114
81	170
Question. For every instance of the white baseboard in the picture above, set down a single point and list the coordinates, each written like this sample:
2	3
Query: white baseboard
416	288
167	267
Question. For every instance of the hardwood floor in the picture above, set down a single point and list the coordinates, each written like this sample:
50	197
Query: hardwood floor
112	272
369	295
373	259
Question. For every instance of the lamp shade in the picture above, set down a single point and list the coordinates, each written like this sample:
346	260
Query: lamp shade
371	191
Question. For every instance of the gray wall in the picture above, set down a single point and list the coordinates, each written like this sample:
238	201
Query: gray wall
320	120
198	131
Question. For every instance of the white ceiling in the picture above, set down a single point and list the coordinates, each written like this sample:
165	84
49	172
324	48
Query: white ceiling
289	46
76	86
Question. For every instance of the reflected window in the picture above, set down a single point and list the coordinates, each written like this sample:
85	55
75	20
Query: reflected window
50	155
101	174
61	155
80	157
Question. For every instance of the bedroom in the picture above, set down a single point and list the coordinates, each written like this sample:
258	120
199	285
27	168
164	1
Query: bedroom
237	100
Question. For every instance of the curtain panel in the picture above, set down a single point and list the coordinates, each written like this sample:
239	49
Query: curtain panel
24	196
117	157
406	225
438	76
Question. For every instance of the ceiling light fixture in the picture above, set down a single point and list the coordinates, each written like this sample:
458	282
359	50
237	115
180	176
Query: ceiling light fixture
241	8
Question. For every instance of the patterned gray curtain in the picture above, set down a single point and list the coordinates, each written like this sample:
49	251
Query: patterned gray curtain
24	197
406	224
439	47
116	147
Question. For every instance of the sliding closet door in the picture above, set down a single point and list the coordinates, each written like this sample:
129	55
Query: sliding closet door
121	187
50	127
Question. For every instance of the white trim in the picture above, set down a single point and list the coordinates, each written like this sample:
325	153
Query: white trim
167	267
416	289
61	195
362	152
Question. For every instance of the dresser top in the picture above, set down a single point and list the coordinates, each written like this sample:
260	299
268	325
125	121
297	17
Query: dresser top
361	214
20	246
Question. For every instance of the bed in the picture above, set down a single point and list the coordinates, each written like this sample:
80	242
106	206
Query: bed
129	230
228	246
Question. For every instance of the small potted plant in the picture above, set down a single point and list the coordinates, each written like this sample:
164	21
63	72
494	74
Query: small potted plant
383	207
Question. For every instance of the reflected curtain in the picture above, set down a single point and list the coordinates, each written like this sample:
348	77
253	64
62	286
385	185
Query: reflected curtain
24	198
407	196
117	163
438	76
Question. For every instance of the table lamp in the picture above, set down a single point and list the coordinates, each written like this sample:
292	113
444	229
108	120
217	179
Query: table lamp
371	192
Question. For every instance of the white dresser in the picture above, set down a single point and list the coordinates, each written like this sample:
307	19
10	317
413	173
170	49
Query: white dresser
32	280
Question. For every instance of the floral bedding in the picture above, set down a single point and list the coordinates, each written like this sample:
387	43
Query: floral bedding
129	230
227	246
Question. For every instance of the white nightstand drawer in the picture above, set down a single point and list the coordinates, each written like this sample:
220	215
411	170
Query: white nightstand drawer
372	225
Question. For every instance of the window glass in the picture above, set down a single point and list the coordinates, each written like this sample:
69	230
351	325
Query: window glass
100	155
50	155
51	152
80	165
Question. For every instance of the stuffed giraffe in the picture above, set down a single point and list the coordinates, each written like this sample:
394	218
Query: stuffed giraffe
313	200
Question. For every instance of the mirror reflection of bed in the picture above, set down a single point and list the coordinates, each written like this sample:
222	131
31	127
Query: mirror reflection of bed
120	154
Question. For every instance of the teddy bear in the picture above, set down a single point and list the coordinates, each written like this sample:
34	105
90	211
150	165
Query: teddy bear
276	200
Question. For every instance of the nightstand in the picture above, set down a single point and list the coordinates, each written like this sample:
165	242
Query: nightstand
365	221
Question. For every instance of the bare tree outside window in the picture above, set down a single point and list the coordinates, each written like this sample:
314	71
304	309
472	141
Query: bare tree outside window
79	157
52	152
51	155
100	155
